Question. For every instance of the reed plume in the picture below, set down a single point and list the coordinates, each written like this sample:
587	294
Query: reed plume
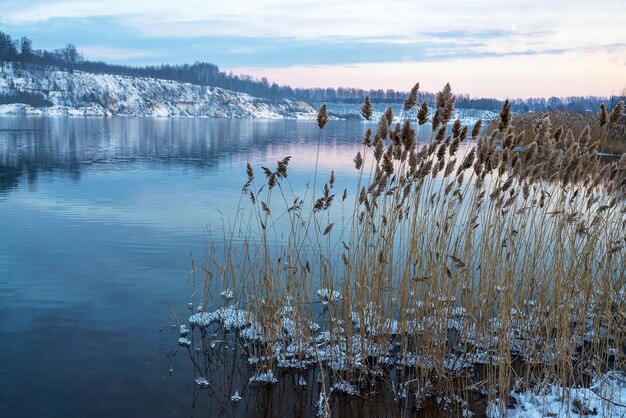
616	113
444	100
603	117
505	115
322	117
366	108
411	99
422	113
476	129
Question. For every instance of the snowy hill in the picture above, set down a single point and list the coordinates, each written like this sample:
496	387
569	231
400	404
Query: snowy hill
80	93
353	111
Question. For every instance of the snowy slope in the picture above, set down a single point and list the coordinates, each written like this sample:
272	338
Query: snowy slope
353	111
80	93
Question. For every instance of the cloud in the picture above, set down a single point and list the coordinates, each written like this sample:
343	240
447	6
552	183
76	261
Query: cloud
326	18
41	11
499	26
348	34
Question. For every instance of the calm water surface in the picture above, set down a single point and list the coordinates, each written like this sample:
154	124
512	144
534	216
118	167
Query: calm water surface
98	222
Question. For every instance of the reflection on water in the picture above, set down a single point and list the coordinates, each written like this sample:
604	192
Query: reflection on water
31	147
98	219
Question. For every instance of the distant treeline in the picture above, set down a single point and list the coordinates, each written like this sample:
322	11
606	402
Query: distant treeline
202	73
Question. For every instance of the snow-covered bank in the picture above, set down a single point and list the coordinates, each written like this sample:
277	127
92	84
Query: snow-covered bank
77	93
606	397
353	111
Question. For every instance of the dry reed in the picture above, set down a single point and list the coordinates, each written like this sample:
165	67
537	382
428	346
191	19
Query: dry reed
454	267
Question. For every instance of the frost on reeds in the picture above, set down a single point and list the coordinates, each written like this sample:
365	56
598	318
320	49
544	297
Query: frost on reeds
484	264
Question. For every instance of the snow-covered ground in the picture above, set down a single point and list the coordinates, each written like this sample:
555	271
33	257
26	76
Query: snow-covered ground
606	397
78	93
353	110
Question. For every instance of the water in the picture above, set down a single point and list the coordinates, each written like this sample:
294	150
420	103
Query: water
98	222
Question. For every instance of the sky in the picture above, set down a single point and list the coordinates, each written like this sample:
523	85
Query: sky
523	48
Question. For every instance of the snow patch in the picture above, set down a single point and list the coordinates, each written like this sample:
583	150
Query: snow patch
327	295
230	317
235	398
202	382
606	397
345	387
267	377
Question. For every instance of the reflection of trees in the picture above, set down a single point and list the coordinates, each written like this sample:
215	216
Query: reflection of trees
30	147
25	152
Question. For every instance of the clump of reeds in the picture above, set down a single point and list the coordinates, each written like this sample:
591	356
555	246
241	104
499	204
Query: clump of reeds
608	128
453	266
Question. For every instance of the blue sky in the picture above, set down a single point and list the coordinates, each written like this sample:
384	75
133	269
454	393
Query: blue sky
486	48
